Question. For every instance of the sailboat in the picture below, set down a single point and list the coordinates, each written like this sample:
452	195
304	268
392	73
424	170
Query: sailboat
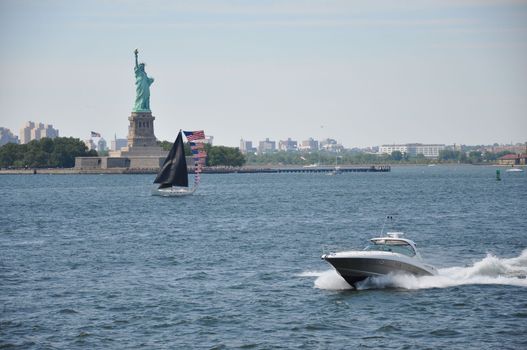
173	175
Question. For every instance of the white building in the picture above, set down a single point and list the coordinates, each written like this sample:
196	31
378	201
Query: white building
90	144
413	149
36	131
389	149
288	145
331	145
266	146
25	132
429	151
308	145
247	147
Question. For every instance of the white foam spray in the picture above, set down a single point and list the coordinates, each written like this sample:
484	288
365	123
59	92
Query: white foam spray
490	270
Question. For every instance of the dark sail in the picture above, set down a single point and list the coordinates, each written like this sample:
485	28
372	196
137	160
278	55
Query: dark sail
174	170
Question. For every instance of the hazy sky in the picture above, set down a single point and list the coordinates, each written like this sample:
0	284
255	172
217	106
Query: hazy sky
362	72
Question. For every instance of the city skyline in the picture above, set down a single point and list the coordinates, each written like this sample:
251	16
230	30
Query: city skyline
364	74
98	136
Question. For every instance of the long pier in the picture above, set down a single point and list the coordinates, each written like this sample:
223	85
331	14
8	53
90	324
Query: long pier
206	170
319	169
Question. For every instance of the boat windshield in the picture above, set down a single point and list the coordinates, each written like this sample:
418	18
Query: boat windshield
387	245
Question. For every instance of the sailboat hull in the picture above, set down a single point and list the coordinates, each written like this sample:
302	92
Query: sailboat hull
173	191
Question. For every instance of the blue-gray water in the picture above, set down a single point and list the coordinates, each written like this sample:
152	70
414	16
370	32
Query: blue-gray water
95	261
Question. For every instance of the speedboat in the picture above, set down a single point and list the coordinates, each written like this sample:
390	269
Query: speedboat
390	254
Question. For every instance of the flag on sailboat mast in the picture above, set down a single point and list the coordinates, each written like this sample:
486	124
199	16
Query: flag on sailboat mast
196	141
195	135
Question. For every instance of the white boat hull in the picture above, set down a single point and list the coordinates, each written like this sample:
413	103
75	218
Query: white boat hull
355	266
173	191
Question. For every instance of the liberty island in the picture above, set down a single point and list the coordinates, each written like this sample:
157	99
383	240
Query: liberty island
142	150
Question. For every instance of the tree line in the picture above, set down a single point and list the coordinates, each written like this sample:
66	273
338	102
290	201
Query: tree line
216	155
59	152
472	157
349	157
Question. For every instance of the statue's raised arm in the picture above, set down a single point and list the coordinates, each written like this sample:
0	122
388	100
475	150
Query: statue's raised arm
142	87
136	52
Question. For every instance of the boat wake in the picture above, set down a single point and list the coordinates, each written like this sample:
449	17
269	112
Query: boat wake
490	270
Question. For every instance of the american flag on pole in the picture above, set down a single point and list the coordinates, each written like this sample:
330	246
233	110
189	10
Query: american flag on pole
196	146
95	134
199	161
194	135
200	154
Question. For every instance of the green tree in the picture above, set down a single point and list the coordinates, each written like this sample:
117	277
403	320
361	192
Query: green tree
224	156
503	153
475	157
11	153
420	159
396	155
165	145
58	152
450	155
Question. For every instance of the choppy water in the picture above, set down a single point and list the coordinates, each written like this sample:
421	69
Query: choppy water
96	262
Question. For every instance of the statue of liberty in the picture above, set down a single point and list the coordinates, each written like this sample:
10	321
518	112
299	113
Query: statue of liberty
142	87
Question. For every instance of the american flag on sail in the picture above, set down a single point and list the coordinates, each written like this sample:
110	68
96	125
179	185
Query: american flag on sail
194	135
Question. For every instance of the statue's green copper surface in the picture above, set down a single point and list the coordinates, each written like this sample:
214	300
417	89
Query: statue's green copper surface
142	87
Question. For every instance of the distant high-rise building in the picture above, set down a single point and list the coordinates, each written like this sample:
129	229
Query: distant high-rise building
331	145
49	132
209	139
36	131
101	145
266	146
308	145
6	136
117	144
25	132
90	144
288	145
247	146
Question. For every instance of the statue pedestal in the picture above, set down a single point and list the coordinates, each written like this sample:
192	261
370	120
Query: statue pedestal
141	130
141	139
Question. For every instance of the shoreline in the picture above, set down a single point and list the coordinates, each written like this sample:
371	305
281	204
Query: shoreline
251	169
206	170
